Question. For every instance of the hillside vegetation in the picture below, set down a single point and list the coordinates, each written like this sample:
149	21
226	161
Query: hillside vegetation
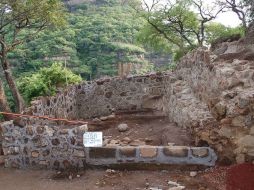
95	39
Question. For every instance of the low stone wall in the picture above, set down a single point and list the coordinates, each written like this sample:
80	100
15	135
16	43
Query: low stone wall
102	97
42	146
54	147
63	105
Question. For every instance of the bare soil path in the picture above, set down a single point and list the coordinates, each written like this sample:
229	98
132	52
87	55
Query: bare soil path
11	179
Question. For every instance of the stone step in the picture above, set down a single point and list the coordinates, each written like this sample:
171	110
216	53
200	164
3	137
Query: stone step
143	157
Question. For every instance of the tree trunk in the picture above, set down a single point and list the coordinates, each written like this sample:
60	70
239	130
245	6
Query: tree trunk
3	102
19	102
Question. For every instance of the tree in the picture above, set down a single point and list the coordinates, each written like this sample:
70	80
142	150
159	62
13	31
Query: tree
182	23
170	26
3	101
21	20
240	8
250	4
216	31
206	14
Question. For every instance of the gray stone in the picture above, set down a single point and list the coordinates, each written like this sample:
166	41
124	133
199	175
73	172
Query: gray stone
126	139
200	152
79	153
40	141
175	151
238	121
40	129
35	154
137	143
83	128
193	173
44	162
247	141
177	188
252	131
240	158
122	127
226	132
148	152
50	131
2	160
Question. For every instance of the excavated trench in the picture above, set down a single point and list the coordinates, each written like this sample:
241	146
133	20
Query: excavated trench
144	128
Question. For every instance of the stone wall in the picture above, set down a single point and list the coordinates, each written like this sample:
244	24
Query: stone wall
106	96
182	106
63	105
102	97
42	146
224	81
54	147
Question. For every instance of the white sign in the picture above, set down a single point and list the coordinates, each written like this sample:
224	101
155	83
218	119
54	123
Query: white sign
92	139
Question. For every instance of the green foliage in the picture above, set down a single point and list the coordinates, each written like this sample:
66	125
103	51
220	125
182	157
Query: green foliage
149	37
216	31
173	30
46	81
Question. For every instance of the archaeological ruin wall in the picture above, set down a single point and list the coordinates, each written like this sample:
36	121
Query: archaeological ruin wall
102	97
211	93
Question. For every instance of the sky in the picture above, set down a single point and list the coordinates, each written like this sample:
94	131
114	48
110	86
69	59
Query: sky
227	18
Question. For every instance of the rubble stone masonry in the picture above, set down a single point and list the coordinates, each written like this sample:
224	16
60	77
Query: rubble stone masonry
212	93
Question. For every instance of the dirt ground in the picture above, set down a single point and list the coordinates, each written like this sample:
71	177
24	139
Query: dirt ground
11	179
149	127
